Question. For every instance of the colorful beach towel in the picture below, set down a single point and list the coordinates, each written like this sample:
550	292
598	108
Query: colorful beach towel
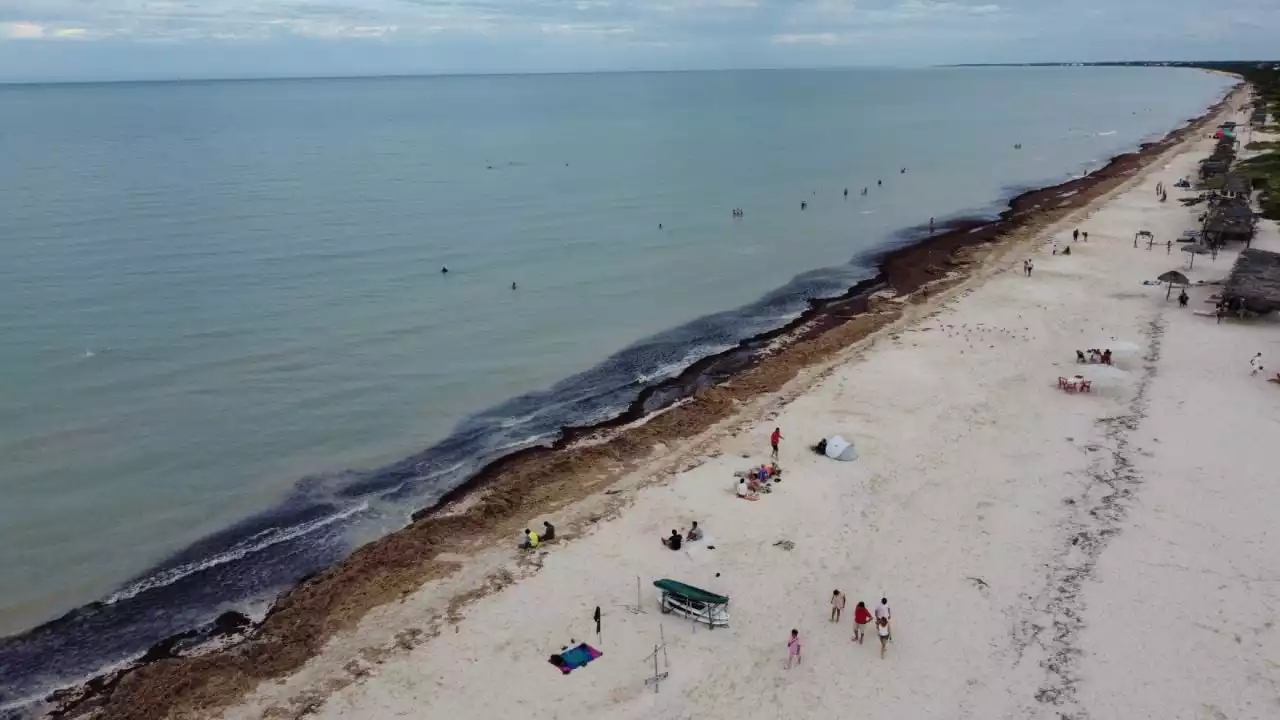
571	660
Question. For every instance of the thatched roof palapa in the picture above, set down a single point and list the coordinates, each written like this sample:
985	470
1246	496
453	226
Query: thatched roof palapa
1255	281
1236	184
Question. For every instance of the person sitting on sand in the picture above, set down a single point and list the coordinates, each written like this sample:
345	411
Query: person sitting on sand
694	534
530	540
674	541
1106	356
548	531
744	491
1080	357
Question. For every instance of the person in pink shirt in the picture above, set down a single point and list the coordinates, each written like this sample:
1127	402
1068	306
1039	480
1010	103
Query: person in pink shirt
793	648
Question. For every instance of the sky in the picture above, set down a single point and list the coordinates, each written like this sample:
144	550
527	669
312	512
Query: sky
53	40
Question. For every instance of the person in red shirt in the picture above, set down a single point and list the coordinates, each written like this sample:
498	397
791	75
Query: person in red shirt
774	439
861	616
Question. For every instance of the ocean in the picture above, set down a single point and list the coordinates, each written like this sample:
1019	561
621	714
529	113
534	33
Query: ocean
230	354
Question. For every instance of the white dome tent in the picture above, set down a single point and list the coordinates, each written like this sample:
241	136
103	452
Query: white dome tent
837	448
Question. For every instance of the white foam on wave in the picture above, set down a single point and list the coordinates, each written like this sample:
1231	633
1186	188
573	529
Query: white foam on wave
672	369
257	543
1104	134
531	440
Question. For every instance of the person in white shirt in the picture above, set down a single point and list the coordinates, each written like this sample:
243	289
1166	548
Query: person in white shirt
884	613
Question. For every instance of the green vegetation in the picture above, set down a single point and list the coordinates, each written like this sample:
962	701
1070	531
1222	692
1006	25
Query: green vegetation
1266	166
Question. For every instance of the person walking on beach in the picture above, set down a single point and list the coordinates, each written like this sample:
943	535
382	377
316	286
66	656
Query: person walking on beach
837	605
1055	246
861	616
882	629
1256	364
883	613
1075	234
793	649
1085	235
930	226
774	439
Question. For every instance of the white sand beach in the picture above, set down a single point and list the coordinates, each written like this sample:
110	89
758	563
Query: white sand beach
1109	554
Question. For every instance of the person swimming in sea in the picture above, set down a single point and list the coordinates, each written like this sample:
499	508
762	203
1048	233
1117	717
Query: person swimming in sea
513	284
846	192
803	205
903	171
444	271
864	191
879	183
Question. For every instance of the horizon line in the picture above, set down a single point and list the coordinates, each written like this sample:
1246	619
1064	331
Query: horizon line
637	71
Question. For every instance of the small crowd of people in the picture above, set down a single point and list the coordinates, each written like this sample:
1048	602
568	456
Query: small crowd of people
1095	356
861	618
758	480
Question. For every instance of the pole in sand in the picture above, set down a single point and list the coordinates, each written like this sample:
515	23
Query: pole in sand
658	674
637	609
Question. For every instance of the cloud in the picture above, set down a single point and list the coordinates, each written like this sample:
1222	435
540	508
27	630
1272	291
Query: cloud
21	31
824	38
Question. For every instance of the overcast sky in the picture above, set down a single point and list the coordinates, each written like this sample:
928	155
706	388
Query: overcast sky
129	39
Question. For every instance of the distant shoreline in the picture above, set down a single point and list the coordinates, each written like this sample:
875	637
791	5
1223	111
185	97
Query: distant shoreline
528	482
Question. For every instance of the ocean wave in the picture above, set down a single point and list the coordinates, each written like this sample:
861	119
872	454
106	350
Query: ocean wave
255	543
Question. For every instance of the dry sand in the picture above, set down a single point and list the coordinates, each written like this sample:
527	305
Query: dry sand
1102	555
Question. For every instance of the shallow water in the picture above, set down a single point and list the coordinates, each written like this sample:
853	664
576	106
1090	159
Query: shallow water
217	297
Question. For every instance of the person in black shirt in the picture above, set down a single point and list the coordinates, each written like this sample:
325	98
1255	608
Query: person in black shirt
673	542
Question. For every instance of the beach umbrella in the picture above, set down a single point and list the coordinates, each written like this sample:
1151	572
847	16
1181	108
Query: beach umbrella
1195	249
1172	277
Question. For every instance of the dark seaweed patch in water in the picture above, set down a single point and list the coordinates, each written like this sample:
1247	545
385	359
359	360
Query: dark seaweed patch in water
326	517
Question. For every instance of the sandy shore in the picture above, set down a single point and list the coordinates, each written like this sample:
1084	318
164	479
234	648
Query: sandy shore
1102	555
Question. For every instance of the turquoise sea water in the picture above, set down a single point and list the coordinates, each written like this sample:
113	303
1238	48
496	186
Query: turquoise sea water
229	355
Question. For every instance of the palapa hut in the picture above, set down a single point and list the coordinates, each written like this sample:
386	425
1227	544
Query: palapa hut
1234	185
1254	282
1210	168
1220	230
